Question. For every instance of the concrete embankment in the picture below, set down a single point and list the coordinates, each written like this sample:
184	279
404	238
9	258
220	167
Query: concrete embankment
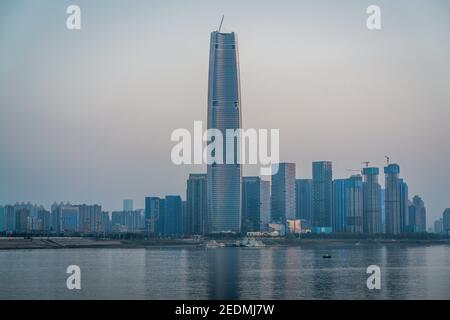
67	243
55	243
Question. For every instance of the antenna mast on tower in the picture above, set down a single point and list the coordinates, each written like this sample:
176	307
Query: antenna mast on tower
221	21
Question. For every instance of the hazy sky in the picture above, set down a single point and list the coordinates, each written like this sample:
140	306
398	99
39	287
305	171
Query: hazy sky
86	116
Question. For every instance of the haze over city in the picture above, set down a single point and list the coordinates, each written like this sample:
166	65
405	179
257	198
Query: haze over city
87	115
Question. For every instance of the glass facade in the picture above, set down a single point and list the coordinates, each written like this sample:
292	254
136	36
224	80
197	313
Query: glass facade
224	112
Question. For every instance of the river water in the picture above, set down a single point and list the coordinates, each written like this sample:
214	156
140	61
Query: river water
407	272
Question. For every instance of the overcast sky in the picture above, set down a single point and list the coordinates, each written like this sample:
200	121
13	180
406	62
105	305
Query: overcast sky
86	116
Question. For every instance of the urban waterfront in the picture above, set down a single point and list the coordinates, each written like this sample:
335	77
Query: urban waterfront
407	272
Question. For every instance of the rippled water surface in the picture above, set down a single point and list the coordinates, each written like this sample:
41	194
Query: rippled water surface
408	272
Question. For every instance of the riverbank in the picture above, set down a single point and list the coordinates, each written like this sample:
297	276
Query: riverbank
69	243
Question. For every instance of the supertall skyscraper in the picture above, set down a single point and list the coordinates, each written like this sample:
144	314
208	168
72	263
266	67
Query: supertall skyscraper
283	193
372	197
322	196
224	112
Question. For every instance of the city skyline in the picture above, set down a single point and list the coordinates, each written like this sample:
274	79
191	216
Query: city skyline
110	144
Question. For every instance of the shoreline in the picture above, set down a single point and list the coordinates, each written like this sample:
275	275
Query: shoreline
91	243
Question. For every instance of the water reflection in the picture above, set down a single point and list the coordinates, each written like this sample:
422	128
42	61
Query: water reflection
408	272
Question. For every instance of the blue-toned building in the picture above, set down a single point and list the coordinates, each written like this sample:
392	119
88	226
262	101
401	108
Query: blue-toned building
283	193
173	220
393	199
322	173
2	219
70	222
224	113
446	222
196	204
255	204
304	199
417	213
339	215
348	205
404	206
154	215
372	202
354	204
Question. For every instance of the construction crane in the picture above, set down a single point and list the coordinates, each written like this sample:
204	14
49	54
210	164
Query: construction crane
366	163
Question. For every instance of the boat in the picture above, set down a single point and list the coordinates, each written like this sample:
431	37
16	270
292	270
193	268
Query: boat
250	243
213	244
326	256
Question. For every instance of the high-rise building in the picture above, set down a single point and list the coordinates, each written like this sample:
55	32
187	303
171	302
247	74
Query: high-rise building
304	199
404	206
283	193
322	196
45	219
371	201
154	215
10	218
354	204
439	226
106	222
224	112
416	216
255	204
22	217
2	219
347	209
127	221
395	194
446	222
339	211
69	219
128	205
90	218
173	216
196	204
65	218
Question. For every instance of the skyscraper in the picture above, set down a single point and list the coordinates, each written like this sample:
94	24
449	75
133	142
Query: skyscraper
173	216
2	219
404	206
371	201
224	112
446	222
439	226
354	204
128	205
255	204
339	212
392	199
90	218
322	196
154	215
196	204
10	218
304	199
283	193
417	216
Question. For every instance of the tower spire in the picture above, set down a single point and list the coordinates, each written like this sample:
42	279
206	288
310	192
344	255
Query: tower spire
220	26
